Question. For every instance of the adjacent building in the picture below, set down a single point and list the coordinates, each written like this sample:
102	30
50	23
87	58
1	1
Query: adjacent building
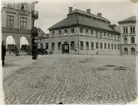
128	36
16	24
82	32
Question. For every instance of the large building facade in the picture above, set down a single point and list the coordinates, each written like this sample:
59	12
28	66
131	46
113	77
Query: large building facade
128	36
83	33
16	24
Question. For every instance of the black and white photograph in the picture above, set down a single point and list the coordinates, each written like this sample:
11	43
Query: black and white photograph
69	51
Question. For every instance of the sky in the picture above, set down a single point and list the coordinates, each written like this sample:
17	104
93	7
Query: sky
53	11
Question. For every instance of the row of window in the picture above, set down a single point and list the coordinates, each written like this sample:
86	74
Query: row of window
10	22
92	44
132	40
97	33
125	30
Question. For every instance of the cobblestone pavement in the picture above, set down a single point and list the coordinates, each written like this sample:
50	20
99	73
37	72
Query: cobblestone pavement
73	80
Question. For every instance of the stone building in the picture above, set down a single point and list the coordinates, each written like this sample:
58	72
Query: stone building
128	36
16	24
82	32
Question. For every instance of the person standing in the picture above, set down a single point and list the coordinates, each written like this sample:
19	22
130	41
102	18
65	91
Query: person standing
3	52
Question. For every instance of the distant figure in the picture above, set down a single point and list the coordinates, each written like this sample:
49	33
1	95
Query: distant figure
3	52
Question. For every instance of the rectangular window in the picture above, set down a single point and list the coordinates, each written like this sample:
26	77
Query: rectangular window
97	45
81	45
115	46
92	45
87	45
101	45
65	31
23	23
87	30
41	45
112	46
10	21
118	46
124	30
53	32
96	34
100	34
104	45
72	30
72	45
91	31
59	45
59	32
104	33
46	45
81	30
108	35
108	45
53	46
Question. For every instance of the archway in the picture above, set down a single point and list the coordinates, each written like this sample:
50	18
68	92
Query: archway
125	51
24	44
10	43
133	51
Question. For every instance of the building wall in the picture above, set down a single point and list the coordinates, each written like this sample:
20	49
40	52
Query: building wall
129	45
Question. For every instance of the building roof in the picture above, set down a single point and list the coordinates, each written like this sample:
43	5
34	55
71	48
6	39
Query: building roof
89	14
75	20
127	20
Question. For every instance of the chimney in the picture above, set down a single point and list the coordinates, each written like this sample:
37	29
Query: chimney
99	14
70	9
89	11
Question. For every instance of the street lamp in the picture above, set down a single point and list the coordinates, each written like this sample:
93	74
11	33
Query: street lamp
34	33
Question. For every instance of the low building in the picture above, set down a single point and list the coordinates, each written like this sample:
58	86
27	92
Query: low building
82	32
128	35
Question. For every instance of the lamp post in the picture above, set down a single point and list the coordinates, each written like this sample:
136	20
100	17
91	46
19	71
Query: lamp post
34	33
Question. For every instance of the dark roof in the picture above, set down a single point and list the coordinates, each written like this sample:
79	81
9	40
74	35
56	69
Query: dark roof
81	20
89	14
130	19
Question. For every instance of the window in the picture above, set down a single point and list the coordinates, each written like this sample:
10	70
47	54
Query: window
23	22
10	21
59	32
72	30
53	46
112	46
46	45
41	45
92	45
53	32
125	29
108	35
101	45
132	29
100	34
81	45
72	45
125	40
96	34
108	45
115	46
87	30
97	45
59	45
132	40
105	45
81	30
65	31
87	45
118	46
104	33
91	31
23	6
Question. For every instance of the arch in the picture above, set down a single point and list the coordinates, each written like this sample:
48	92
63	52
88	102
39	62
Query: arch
133	51
10	43
24	44
125	51
125	40
132	40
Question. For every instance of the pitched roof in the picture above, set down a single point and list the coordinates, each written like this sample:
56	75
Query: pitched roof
89	14
130	19
81	20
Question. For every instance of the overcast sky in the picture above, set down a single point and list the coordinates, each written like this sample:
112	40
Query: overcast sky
53	11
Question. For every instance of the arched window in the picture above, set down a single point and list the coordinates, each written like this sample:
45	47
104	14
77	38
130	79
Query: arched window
132	40
125	51
125	40
132	51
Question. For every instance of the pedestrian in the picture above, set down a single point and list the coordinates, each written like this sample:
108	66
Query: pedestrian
3	50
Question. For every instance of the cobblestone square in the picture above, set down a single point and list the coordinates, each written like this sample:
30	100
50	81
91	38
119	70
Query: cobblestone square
73	79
